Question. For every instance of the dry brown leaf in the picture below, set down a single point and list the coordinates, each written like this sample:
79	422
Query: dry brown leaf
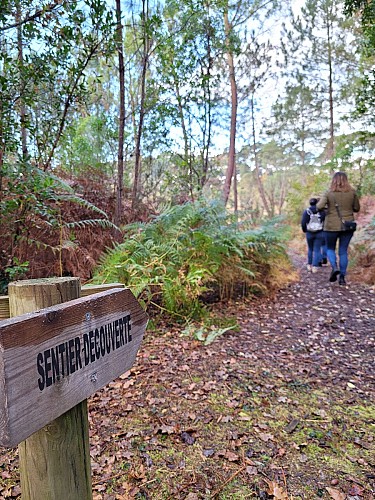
277	491
232	457
266	437
336	494
166	429
192	496
356	490
244	418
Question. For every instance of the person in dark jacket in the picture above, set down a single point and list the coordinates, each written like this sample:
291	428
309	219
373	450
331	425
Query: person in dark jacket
341	201
314	235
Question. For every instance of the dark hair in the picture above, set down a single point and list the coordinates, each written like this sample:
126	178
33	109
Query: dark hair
313	201
340	183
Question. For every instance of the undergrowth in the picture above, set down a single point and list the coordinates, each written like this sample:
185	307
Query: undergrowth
48	228
196	253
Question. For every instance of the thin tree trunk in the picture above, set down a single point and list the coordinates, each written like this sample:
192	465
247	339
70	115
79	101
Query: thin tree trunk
303	137
187	155
137	165
67	104
208	105
22	106
120	154
331	147
257	168
235	192
2	147
233	121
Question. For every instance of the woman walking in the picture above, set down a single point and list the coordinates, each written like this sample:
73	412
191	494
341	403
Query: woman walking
312	226
340	202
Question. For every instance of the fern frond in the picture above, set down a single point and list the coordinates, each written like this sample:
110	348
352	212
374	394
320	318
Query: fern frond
104	223
73	198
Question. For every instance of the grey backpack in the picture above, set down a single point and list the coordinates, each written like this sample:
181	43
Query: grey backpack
315	223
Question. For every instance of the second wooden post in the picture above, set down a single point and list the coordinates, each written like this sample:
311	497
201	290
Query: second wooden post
55	461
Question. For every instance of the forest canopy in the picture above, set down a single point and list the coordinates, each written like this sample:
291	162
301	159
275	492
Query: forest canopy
111	112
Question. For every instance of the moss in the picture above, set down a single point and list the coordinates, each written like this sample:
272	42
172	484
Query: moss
364	412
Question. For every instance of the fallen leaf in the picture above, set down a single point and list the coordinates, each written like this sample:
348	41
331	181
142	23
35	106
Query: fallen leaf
187	438
266	437
277	491
192	496
356	490
232	457
336	494
16	491
292	426
166	429
283	399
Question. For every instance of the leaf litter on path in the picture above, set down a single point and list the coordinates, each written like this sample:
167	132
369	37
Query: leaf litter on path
282	408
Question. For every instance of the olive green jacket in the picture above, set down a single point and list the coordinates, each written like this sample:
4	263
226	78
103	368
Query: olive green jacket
348	203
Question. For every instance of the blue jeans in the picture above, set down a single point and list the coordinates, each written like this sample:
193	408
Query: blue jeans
344	238
324	247
314	244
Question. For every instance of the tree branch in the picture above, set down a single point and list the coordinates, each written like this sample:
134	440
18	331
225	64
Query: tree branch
48	8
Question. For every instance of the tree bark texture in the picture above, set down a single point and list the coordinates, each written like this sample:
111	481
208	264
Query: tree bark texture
257	167
137	166
234	103
121	126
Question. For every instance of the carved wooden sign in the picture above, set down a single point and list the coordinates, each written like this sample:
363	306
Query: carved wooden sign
53	359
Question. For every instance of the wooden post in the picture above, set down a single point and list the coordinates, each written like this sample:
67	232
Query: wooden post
55	461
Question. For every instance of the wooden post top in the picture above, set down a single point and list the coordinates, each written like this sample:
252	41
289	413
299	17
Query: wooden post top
87	289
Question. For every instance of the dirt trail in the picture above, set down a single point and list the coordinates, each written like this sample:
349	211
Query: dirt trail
281	409
324	331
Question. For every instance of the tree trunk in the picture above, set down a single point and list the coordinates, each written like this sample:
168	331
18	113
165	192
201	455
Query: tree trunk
331	147
120	154
187	148
146	48
257	167
233	121
2	147
235	192
22	107
208	105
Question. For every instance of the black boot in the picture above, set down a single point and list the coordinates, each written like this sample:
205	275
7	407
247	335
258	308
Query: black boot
342	280
335	272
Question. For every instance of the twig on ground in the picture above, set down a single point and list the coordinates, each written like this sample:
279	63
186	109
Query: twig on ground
216	492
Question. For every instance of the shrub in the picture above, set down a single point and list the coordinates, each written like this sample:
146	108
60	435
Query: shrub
195	252
46	228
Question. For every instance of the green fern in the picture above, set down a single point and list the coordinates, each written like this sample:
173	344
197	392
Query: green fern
190	250
104	223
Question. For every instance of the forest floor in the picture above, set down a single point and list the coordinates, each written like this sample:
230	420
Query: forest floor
280	408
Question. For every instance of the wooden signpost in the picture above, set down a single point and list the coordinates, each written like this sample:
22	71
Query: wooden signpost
51	361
